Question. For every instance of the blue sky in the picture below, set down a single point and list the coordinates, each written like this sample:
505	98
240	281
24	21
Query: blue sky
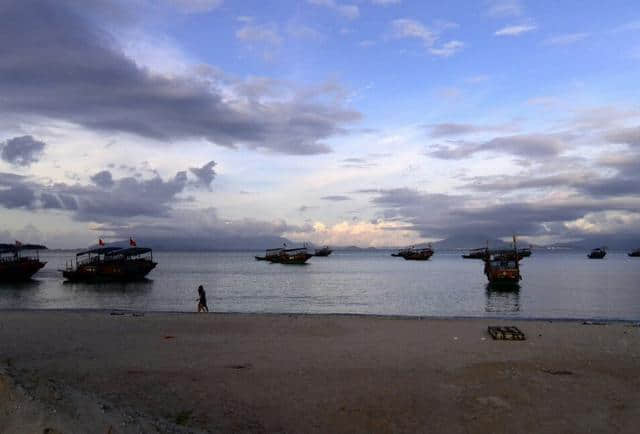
344	122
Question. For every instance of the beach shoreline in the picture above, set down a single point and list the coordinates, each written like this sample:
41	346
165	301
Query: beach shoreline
133	371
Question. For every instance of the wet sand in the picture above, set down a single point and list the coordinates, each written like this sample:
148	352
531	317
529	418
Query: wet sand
95	372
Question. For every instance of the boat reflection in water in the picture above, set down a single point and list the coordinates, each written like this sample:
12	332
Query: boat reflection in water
502	298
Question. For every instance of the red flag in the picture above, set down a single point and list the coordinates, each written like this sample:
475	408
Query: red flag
18	243
100	242
132	242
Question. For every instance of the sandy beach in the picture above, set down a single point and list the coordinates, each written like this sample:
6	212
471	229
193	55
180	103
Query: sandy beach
77	372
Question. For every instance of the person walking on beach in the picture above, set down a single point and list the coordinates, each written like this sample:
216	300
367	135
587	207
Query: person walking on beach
202	300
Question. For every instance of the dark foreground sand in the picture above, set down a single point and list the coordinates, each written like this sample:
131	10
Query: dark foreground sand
95	372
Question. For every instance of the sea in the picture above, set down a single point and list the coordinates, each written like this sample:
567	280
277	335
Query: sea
555	285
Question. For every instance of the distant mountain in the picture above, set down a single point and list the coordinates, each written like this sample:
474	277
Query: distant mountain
612	242
207	244
470	242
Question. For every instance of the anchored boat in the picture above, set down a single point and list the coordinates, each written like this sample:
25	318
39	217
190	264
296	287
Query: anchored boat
286	256
19	261
413	254
110	264
503	266
270	254
598	253
481	252
635	253
325	251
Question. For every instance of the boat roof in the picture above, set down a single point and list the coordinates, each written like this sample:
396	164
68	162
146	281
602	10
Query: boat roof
7	248
99	251
131	251
293	250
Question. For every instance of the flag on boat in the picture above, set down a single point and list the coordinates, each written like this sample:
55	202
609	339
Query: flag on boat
132	242
100	242
18	243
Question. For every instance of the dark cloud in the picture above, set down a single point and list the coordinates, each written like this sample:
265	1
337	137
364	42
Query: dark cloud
336	198
357	163
537	146
105	201
205	174
456	129
21	151
103	179
442	216
629	136
15	192
57	62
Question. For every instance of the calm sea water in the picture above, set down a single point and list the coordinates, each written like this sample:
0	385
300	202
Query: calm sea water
554	285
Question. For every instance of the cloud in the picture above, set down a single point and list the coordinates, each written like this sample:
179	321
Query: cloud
107	199
336	198
447	49
103	179
196	6
65	54
629	136
205	174
532	146
439	216
21	151
459	129
386	2
262	34
409	28
504	8
346	10
515	30
14	192
566	39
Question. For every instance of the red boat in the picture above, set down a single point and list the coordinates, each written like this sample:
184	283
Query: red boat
16	265
503	266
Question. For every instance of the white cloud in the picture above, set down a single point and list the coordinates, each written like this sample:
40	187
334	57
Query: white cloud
515	30
346	10
448	49
265	34
196	6
566	39
385	2
379	233
504	8
408	28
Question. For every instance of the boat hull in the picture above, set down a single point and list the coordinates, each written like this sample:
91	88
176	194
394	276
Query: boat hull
418	257
12	271
323	252
120	271
298	259
596	255
635	254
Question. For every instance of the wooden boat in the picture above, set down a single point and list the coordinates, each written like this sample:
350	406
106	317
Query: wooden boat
269	254
325	251
16	264
635	253
475	253
597	253
110	264
413	254
481	252
291	256
501	267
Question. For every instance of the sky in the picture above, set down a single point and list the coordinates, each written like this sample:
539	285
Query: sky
361	122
